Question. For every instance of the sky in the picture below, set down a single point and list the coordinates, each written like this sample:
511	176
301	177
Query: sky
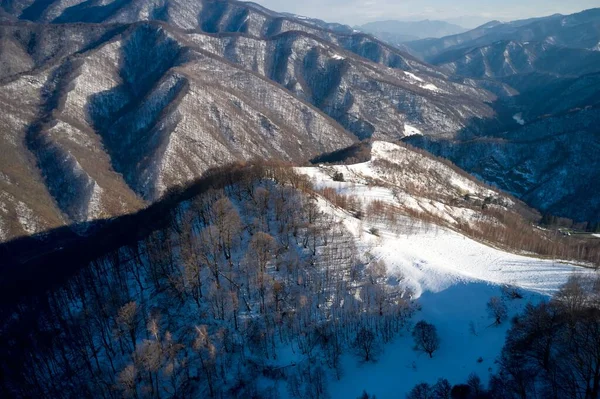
469	12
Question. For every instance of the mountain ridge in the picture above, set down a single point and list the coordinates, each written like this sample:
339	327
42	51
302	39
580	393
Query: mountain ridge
108	129
143	121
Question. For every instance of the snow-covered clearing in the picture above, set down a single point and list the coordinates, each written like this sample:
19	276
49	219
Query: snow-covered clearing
452	275
410	130
519	119
413	76
424	85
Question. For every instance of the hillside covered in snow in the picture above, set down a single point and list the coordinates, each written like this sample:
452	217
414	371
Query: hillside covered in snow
280	282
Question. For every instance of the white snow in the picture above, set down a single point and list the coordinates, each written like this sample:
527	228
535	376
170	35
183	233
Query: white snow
421	83
27	218
432	258
596	235
399	367
413	76
430	86
519	118
337	57
410	130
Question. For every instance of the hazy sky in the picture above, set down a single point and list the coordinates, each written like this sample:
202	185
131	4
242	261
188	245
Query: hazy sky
360	11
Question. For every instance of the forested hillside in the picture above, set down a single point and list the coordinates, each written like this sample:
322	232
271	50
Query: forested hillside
262	281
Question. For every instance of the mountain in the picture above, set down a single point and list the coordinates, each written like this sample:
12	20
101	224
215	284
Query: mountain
508	58
121	102
579	30
564	146
551	67
397	32
468	21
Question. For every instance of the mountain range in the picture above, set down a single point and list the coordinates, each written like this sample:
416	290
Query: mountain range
119	102
116	110
397	32
552	66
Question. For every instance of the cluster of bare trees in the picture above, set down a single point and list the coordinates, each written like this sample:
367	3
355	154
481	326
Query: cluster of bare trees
552	350
512	231
202	307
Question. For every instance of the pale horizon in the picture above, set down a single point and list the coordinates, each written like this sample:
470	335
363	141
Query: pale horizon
357	12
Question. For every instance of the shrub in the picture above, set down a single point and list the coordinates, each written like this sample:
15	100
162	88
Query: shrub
338	176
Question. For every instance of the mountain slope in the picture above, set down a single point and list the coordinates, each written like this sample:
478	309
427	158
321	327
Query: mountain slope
564	144
503	59
102	132
254	260
144	96
550	65
117	114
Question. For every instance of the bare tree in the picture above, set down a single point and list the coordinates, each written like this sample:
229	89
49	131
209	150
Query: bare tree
128	321
421	391
497	310
365	343
442	389
128	381
262	246
426	338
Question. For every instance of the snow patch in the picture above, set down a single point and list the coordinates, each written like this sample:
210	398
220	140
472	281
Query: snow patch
412	76
27	218
410	130
338	57
399	368
432	87
421	83
519	118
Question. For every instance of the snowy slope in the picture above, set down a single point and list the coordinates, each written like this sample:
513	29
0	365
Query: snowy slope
411	181
453	276
432	258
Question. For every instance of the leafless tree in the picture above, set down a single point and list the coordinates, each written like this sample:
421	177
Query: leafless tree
497	310
442	389
128	321
365	342
426	338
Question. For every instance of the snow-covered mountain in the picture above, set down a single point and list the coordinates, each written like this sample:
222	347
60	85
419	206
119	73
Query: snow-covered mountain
548	68
116	110
121	101
578	30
